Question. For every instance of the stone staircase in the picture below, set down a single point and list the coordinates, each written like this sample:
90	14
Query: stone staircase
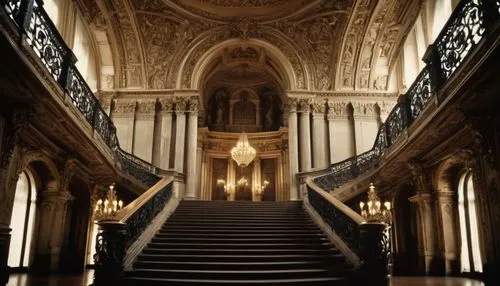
239	243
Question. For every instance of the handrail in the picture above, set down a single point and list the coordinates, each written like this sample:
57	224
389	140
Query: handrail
469	23
41	36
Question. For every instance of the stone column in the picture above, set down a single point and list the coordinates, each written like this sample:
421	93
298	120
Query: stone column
425	202
446	203
305	136
54	206
293	147
123	114
192	142
320	152
180	113
167	106
257	180
143	129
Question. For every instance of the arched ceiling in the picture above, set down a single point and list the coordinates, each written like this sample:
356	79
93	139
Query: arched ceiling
330	44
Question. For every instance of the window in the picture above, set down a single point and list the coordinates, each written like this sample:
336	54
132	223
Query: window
470	256
22	221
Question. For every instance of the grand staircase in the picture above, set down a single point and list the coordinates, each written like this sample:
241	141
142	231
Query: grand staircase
239	243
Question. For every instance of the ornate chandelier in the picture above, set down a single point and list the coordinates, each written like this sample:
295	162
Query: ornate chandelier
374	211
108	206
243	153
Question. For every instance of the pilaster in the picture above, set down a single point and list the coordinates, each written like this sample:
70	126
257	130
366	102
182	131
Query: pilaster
320	143
123	115
340	132
366	125
166	113
143	129
180	138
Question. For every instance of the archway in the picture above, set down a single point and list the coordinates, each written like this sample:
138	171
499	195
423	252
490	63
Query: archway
242	87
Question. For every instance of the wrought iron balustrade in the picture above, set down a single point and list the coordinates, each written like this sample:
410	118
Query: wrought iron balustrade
140	220
461	34
343	225
40	34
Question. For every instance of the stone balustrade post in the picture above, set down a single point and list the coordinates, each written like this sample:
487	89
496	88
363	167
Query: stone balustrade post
374	249
4	253
110	252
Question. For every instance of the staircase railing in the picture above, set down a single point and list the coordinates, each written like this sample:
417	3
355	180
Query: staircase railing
468	26
127	233
38	33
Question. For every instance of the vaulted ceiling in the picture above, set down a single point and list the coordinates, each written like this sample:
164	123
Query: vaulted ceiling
315	45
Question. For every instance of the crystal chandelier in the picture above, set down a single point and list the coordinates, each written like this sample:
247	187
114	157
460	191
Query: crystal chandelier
373	211
243	153
108	206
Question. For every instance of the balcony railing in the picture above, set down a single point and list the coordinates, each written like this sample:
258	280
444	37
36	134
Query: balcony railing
38	32
463	32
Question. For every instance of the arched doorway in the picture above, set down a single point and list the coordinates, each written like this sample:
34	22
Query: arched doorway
23	221
243	90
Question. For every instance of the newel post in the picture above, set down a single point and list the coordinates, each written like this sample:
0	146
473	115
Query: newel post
374	249
110	251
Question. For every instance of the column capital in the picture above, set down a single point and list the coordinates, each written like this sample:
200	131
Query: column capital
418	174
166	105
318	106
304	105
181	104
291	105
124	106
192	107
337	109
364	110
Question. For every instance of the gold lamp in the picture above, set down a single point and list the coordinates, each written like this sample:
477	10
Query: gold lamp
108	206
373	210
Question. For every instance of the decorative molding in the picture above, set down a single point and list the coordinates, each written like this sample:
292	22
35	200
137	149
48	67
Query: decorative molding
124	106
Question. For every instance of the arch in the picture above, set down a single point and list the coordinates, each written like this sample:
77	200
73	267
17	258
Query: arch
285	66
49	178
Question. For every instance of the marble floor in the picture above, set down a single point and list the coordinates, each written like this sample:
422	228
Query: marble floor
87	277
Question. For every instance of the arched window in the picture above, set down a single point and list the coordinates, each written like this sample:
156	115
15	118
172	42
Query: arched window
470	258
22	221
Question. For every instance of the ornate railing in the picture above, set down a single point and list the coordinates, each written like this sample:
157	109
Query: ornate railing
467	26
39	33
343	225
140	220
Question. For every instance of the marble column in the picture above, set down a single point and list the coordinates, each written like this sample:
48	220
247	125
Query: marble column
446	202
54	206
320	152
199	169
425	205
143	127
180	113
293	147
192	142
167	106
305	136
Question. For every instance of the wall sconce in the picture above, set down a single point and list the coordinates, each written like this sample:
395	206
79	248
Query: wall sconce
373	211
